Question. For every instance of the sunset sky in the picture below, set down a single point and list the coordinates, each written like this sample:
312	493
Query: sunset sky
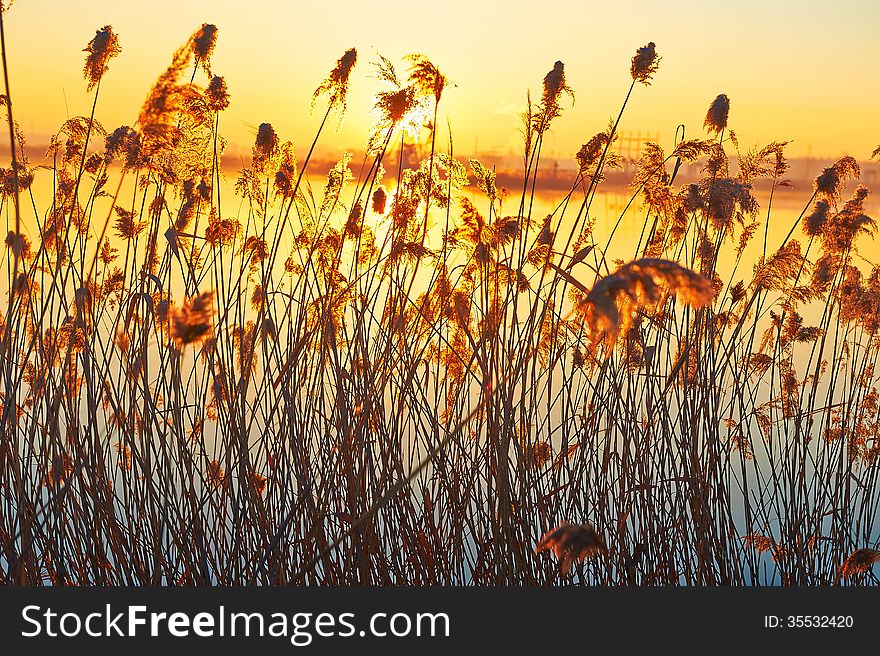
794	70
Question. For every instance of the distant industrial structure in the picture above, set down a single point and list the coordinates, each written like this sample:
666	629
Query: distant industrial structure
557	170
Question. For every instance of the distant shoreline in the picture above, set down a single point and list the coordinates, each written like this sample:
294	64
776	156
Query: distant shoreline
555	174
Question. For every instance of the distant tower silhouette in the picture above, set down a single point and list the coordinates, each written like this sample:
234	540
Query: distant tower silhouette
630	146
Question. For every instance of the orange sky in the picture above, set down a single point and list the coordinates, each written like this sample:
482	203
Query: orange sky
800	71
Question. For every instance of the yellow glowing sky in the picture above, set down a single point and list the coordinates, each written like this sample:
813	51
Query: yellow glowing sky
794	70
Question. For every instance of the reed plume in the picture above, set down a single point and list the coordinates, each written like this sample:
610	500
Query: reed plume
572	543
101	49
858	562
830	182
610	306
160	122
554	86
204	42
192	322
716	116
644	64
426	77
337	82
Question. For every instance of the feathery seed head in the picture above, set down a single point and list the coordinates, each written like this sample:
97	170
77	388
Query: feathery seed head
830	182
380	198
336	83
554	84
591	151
217	94
192	322
644	64
122	141
395	105
267	140
286	175
101	50
204	42
815	221
426	77
610	306
716	117
19	245
571	543
265	146
857	562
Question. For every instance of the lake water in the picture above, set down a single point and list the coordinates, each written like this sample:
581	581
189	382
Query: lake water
607	208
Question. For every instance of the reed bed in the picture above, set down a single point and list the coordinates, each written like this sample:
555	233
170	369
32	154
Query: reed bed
390	381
